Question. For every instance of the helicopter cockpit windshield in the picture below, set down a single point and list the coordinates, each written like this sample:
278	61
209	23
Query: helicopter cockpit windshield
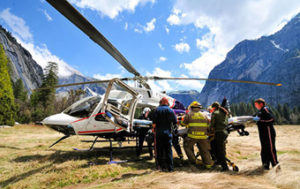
83	108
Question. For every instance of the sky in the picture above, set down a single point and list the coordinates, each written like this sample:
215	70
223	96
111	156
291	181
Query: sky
170	38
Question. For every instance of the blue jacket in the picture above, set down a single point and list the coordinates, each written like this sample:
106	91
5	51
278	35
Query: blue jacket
164	117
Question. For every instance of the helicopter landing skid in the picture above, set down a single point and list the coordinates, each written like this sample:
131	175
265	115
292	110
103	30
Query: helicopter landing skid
110	155
90	149
110	152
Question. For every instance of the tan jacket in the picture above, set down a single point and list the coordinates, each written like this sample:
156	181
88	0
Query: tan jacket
197	124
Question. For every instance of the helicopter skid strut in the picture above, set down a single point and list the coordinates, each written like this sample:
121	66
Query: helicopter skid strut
110	151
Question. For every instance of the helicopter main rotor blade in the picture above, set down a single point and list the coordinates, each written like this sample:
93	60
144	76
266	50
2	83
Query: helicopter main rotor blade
66	9
73	84
83	83
213	79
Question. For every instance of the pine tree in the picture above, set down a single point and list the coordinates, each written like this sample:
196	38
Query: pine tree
19	90
286	112
51	80
7	105
250	109
64	102
43	101
23	111
243	108
233	109
277	116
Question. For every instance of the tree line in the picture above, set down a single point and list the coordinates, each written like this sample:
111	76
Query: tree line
283	113
17	106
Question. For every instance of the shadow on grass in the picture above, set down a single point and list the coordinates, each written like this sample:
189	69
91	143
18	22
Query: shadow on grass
102	156
130	175
97	158
22	176
253	172
10	147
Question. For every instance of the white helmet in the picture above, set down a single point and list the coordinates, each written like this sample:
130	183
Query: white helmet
147	109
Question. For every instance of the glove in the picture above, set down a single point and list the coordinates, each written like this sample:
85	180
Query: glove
256	118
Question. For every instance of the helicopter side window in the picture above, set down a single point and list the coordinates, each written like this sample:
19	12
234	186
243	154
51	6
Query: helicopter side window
138	112
83	109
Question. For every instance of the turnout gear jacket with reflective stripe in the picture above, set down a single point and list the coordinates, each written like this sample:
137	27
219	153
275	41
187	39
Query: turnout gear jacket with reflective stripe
219	119
197	124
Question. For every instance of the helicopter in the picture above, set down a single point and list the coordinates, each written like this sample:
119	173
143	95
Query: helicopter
113	115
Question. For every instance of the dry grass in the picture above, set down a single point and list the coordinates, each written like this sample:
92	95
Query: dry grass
26	162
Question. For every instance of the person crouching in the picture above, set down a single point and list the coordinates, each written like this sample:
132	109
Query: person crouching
197	124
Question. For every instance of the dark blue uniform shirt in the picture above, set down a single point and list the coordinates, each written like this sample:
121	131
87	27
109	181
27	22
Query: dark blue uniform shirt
164	117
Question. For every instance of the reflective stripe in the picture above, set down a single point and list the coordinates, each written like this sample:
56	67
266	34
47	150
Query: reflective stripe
271	146
197	137
198	125
198	133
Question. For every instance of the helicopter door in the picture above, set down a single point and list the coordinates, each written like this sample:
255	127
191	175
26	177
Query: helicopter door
119	105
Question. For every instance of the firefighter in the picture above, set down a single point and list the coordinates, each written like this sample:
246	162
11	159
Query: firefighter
267	134
142	132
197	124
163	120
218	124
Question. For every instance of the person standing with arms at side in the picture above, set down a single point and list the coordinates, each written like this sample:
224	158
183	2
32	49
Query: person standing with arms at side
219	122
267	134
163	118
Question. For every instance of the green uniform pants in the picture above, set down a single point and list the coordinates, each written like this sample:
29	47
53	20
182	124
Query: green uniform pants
218	148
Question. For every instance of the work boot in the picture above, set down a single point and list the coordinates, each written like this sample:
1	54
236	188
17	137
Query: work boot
198	162
180	160
208	166
266	166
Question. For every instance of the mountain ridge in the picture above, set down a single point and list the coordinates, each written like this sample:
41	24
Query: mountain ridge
273	58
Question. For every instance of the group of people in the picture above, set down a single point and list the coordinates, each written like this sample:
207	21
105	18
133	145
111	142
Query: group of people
208	133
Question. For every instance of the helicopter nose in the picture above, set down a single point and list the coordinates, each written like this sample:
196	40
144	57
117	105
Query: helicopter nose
59	119
45	120
60	123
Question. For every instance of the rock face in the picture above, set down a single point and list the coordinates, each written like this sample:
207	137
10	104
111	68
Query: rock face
21	62
24	67
185	97
274	58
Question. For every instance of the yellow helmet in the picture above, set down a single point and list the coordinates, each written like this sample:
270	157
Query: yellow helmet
195	104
